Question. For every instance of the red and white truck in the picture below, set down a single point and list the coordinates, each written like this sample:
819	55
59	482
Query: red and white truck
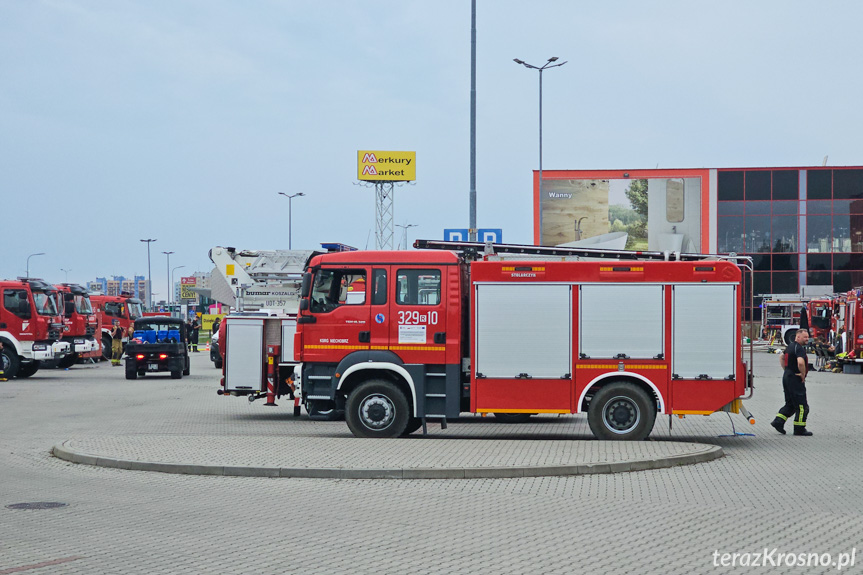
80	324
852	312
124	308
521	330
30	327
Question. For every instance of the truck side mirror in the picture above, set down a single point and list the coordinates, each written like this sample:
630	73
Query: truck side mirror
306	286
304	305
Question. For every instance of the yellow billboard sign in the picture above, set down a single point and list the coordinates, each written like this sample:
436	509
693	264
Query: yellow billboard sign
378	166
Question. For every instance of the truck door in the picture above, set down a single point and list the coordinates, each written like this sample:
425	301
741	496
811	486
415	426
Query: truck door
417	330
341	309
17	320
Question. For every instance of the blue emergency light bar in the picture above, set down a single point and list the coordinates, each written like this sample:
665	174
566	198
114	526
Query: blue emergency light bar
335	247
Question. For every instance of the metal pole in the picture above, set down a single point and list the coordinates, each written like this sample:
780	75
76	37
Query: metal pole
168	279
540	156
472	223
290	223
64	270
28	262
549	64
149	274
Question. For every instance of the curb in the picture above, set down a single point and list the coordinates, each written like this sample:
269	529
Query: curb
708	453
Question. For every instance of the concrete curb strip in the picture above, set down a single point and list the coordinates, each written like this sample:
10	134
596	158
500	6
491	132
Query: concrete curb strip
702	455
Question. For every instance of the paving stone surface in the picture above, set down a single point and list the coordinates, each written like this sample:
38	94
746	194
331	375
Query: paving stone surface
795	495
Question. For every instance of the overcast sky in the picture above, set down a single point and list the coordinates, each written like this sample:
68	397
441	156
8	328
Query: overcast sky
182	120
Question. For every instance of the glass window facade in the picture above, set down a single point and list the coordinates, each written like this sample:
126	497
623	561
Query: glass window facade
764	214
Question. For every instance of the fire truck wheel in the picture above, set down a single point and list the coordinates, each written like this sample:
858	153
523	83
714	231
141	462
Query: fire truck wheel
9	361
67	361
513	417
217	363
789	336
414	423
621	411
377	408
28	369
106	347
176	374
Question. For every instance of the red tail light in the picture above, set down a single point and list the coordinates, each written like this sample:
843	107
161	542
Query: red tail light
140	356
163	355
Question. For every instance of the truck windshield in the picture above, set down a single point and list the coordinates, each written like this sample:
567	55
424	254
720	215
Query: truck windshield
45	304
135	310
82	304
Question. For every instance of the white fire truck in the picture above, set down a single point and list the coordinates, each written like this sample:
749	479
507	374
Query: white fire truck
519	330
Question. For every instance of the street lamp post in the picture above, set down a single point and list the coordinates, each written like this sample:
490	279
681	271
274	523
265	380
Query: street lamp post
172	279
290	197
28	261
66	272
169	275
405	230
149	276
549	64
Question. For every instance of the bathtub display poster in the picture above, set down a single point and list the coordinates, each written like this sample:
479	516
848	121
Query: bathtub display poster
661	214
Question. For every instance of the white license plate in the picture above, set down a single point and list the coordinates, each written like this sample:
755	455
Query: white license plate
153	367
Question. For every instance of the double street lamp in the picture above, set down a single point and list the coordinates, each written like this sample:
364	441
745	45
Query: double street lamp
549	64
66	272
290	197
28	261
405	230
149	275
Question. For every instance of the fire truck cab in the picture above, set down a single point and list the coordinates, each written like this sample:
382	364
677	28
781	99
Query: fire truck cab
435	334
80	324
30	326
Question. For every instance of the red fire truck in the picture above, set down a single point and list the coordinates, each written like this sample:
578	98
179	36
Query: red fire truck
853	305
521	330
30	327
80	324
124	308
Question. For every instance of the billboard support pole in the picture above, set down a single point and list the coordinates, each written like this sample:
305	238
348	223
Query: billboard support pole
384	192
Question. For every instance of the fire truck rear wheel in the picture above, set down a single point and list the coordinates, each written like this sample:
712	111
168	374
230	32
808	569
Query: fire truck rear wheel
28	369
621	411
414	423
10	363
106	347
377	408
67	361
513	417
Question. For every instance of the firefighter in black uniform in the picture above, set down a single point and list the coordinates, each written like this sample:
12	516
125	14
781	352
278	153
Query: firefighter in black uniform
794	386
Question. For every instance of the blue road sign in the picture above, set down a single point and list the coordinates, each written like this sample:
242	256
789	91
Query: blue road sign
456	235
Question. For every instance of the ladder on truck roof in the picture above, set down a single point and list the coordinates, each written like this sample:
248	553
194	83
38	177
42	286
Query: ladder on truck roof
479	249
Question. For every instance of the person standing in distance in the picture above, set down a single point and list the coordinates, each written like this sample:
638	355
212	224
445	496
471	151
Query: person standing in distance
794	386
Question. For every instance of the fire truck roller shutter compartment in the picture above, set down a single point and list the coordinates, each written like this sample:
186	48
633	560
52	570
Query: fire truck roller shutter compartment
704	352
244	360
618	320
523	337
289	328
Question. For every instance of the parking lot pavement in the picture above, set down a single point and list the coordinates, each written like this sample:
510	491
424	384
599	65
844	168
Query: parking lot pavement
792	494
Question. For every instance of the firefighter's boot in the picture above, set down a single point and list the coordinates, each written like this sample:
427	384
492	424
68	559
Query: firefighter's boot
802	431
778	424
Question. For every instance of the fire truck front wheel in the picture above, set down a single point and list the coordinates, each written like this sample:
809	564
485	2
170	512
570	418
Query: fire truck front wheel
377	408
9	363
621	411
28	369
